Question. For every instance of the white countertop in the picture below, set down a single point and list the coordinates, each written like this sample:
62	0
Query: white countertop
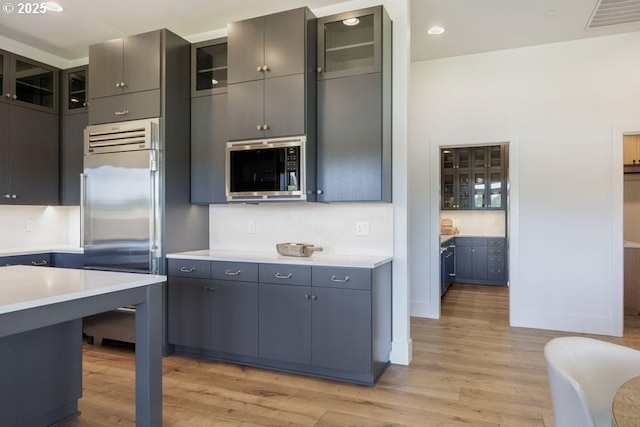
318	258
23	287
66	249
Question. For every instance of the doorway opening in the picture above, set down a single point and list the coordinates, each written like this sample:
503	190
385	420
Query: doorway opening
631	225
473	216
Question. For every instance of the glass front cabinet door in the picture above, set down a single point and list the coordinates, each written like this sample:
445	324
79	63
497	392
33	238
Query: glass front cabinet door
350	43
29	83
209	67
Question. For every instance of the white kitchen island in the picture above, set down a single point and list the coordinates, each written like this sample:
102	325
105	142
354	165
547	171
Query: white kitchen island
41	311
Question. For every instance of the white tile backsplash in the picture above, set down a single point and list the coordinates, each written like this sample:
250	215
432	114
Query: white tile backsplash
49	226
477	223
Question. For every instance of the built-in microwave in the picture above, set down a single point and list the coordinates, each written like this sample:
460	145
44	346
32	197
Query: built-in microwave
266	170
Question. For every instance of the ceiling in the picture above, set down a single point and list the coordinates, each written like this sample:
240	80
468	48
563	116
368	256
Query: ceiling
471	26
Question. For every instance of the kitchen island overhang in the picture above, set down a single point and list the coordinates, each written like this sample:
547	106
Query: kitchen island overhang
36	302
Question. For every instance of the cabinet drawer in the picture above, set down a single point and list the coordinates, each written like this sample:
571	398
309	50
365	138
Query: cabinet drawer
198	269
43	260
496	242
471	241
496	251
130	106
497	261
235	271
341	277
285	274
496	274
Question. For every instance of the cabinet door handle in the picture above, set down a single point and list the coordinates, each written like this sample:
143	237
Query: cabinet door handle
265	127
335	279
7	196
39	263
307	296
187	270
232	273
281	276
14	97
122	113
7	95
319	69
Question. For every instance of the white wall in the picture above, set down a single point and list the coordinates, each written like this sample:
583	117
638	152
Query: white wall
52	226
557	104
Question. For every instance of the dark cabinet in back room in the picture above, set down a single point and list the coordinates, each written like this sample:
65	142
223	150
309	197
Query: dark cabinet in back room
354	106
271	85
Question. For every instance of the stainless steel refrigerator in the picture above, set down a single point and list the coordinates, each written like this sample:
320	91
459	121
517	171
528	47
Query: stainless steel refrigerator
121	197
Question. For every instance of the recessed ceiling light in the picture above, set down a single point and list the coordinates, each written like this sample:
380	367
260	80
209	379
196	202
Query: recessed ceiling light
549	13
434	31
351	22
53	6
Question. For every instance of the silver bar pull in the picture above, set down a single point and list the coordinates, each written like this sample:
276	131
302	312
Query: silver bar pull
39	263
281	276
187	270
122	113
335	279
232	273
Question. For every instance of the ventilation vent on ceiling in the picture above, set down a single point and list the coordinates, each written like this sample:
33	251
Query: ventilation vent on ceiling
614	12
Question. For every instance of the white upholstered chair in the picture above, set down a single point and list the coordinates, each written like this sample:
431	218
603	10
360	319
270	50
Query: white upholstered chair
584	375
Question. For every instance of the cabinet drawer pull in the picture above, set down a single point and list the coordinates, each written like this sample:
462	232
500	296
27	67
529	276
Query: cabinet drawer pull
187	270
232	273
122	113
335	279
307	296
39	263
281	276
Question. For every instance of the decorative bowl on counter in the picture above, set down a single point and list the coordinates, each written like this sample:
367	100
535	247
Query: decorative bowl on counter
297	249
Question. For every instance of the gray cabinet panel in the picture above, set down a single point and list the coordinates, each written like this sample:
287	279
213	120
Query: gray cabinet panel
105	67
208	143
341	329
189	313
234	323
141	62
71	156
285	274
130	106
284	35
245	50
64	260
245	109
34	155
342	277
285	323
350	144
234	271
284	106
191	268
4	150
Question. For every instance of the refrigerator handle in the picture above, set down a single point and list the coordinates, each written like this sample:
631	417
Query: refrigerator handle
153	209
83	182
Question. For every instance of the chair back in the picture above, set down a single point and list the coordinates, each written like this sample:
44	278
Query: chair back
584	375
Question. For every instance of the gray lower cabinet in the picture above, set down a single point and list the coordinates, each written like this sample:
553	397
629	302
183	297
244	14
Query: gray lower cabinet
71	157
331	322
481	260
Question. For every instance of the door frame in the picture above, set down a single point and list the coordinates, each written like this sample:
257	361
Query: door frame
513	233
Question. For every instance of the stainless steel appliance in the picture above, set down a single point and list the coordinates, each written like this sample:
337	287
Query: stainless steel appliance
267	170
121	197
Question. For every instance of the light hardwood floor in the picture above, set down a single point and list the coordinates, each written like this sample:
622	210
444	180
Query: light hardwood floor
469	368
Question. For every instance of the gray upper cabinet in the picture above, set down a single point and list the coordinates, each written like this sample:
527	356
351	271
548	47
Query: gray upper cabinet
350	43
208	121
354	107
74	119
271	90
28	83
126	78
28	156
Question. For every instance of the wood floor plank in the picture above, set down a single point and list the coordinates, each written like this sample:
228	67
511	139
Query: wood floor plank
469	368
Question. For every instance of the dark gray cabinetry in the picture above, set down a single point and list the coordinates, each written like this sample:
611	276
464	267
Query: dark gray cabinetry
28	156
74	119
126	77
354	107
28	83
216	315
480	260
332	322
208	121
447	265
40	260
473	178
271	87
